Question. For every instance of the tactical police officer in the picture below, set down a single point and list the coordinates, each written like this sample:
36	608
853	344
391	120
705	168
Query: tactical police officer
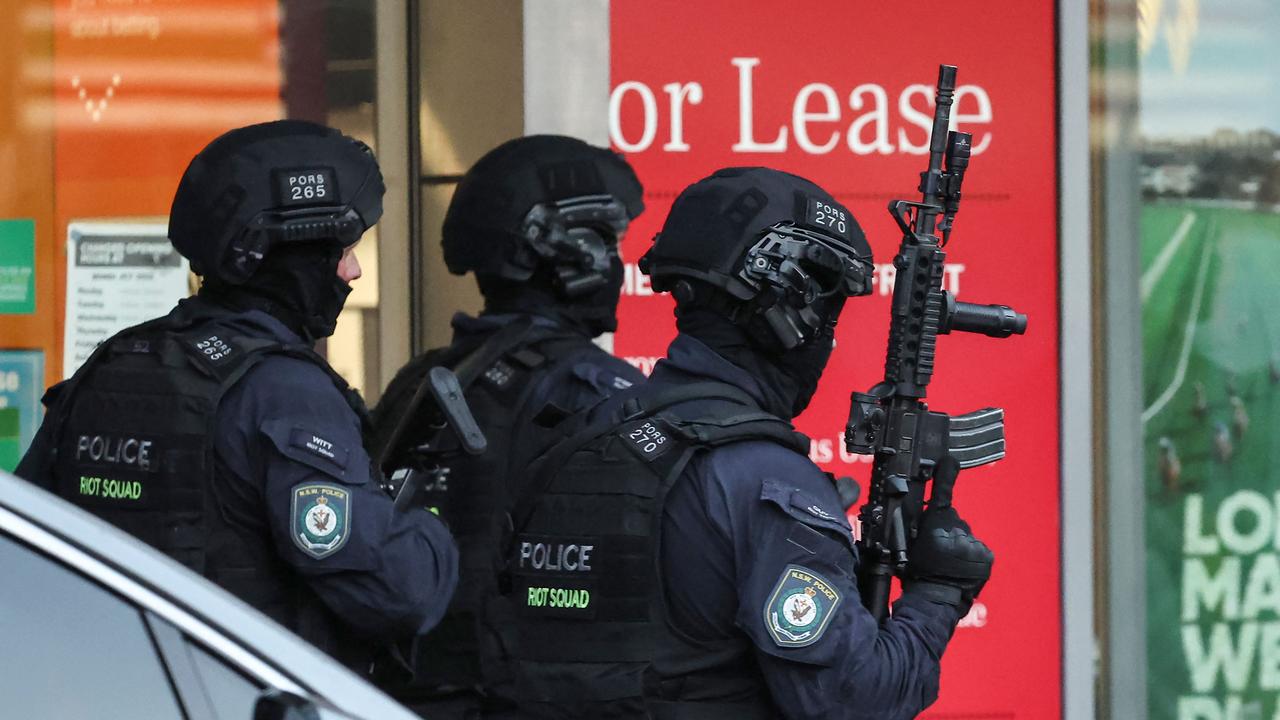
538	220
722	579
218	435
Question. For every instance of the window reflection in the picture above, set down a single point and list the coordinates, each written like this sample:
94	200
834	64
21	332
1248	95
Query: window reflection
1209	175
72	649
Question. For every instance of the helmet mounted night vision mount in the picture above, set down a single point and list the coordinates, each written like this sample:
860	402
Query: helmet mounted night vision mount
791	278
805	264
792	273
577	238
272	228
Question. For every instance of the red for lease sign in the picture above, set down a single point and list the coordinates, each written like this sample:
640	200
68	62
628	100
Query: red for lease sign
842	93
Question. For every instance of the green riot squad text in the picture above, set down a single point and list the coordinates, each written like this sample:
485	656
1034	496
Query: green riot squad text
110	489
558	598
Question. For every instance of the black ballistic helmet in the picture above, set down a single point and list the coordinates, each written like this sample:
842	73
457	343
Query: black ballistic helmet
542	201
777	248
258	186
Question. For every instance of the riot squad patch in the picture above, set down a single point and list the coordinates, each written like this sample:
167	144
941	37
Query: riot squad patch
105	490
800	607
320	518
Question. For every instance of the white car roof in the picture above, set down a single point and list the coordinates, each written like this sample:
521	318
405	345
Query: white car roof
31	507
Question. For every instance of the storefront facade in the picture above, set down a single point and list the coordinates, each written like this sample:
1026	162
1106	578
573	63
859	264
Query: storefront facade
1123	194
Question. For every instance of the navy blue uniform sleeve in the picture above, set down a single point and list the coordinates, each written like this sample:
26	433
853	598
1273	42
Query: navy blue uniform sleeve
581	382
578	383
288	430
596	375
775	519
36	465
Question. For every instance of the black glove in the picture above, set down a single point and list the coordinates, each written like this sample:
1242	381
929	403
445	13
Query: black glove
946	563
848	490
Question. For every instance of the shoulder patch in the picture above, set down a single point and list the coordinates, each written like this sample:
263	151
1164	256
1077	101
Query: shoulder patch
500	374
816	511
320	447
800	607
646	439
320	518
214	349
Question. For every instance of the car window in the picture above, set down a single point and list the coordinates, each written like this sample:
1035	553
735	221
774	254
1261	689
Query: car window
231	693
71	649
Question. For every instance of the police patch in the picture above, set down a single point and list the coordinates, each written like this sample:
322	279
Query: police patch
319	447
800	607
320	518
305	186
215	350
500	375
645	439
830	218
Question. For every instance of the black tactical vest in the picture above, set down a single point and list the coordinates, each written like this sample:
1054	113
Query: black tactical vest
583	611
133	444
499	373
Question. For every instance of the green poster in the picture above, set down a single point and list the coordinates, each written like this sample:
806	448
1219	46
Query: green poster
10	439
1210	293
1212	428
17	267
21	386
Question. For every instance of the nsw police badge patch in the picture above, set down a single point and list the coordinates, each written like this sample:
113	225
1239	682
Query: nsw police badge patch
800	607
320	518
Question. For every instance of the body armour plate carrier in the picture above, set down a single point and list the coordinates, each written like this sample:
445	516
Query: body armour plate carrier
499	373
134	441
583	608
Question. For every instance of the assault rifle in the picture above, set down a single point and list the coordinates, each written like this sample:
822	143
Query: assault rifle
425	472
891	421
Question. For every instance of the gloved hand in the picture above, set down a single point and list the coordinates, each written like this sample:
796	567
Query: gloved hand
945	562
848	490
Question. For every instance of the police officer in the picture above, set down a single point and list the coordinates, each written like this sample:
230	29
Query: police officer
537	220
731	591
218	435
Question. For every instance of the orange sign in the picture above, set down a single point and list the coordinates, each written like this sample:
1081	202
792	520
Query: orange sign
139	87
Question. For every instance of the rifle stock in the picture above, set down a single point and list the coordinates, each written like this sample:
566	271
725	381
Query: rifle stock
440	395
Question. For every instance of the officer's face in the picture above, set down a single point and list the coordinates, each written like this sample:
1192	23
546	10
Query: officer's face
349	266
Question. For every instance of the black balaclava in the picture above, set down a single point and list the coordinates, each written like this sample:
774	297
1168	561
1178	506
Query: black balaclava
297	283
592	314
789	379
